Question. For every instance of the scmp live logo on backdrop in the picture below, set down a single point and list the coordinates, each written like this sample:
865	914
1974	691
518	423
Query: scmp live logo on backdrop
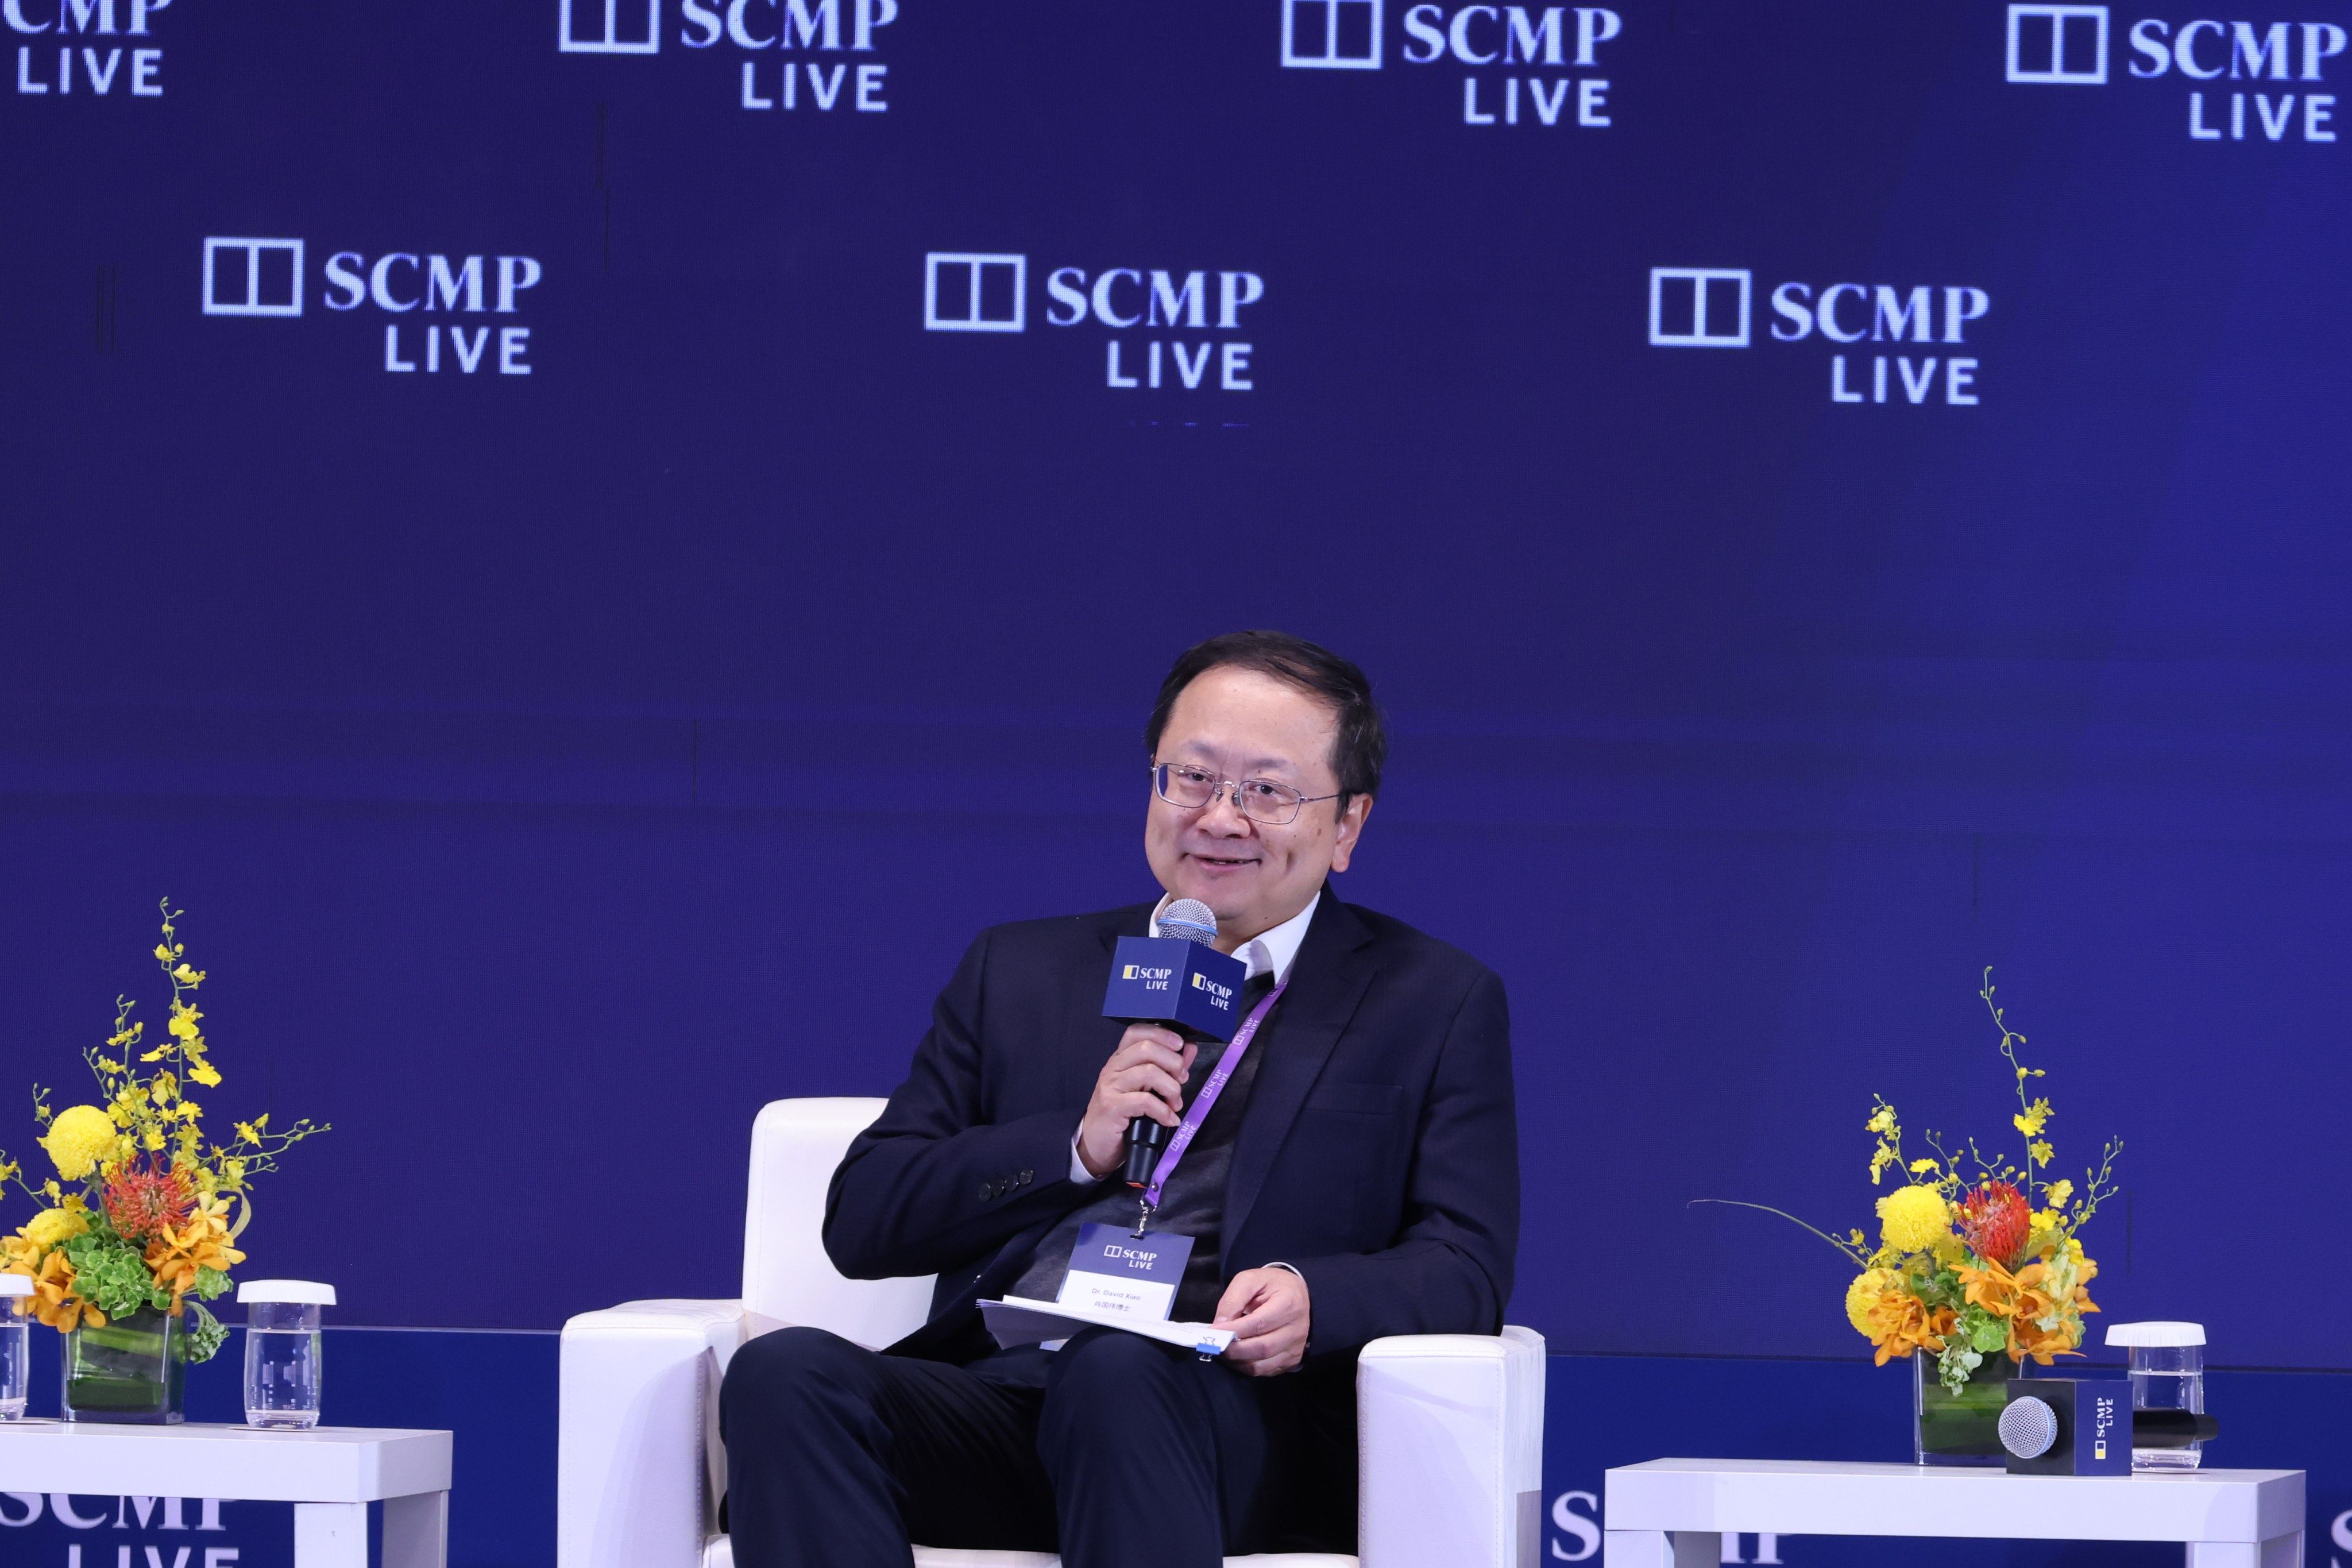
1577	1516
79	65
1521	55
1712	307
52	1521
424	294
1171	329
2069	46
790	51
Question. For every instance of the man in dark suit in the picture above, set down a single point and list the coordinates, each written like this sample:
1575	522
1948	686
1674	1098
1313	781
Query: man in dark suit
1357	1177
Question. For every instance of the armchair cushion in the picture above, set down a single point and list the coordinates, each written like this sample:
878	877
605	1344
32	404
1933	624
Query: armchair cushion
640	1466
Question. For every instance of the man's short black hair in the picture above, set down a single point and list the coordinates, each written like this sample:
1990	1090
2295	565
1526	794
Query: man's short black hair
1361	746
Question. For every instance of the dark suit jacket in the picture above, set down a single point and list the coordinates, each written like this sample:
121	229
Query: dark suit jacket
1377	1153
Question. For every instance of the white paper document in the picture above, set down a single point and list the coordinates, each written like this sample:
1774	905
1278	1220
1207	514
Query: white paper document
1017	1320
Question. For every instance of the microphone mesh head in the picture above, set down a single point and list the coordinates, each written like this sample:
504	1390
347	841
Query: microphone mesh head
1190	920
2028	1427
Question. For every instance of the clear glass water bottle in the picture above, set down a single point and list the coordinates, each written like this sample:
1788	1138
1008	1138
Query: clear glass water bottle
15	1344
282	1351
2168	1373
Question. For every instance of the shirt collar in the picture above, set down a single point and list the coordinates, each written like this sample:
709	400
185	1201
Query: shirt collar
1268	952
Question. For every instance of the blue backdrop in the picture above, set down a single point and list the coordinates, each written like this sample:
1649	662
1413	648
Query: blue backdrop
511	519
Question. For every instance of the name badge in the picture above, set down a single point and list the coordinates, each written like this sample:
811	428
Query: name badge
1114	1271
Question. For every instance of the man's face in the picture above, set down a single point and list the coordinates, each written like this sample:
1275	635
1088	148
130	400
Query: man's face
1243	725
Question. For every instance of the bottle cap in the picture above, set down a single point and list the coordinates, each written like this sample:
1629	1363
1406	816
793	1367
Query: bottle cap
291	1292
15	1284
2156	1336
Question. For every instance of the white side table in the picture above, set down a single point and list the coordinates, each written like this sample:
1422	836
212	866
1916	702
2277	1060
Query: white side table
1674	1513
329	1474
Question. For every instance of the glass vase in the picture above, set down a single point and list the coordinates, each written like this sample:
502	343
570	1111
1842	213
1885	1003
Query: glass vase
134	1369
1961	1428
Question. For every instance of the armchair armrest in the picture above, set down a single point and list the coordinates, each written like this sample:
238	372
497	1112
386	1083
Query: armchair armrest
1450	1450
639	1465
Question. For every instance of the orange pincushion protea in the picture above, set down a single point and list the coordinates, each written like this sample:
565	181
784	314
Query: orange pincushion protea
1995	1221
144	1200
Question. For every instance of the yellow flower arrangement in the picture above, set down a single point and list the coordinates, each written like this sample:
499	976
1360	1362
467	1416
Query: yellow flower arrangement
1967	1265
152	1228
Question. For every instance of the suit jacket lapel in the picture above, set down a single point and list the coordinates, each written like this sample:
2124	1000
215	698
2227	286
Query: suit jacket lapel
1326	984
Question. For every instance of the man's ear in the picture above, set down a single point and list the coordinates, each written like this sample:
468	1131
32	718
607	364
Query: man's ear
1351	827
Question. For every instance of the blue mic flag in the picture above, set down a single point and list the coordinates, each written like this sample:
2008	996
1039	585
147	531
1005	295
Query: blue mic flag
1190	987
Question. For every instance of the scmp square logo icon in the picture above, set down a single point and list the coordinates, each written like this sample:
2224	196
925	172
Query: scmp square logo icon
642	36
1695	307
2061	46
1331	34
253	277
964	291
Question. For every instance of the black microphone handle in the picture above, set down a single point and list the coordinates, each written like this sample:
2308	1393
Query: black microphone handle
1145	1139
2172	1429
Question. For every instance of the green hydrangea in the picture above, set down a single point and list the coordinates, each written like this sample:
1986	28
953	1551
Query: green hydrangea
111	1274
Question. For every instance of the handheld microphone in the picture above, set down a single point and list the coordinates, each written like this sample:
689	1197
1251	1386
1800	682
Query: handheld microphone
1177	978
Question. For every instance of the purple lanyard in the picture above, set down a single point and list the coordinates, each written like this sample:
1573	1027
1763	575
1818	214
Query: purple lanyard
1206	1101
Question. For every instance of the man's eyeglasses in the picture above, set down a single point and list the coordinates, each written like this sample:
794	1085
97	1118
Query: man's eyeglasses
1261	800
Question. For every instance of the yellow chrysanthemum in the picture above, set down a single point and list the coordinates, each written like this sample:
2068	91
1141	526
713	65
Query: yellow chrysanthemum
51	1226
1863	1295
78	1138
1911	1218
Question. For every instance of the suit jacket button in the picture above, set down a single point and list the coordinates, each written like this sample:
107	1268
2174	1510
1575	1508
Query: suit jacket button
1027	1176
987	1191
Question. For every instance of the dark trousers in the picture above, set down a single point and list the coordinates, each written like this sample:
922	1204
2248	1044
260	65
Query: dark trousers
1116	1450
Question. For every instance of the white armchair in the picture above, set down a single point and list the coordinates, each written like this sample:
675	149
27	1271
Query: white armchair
1450	1439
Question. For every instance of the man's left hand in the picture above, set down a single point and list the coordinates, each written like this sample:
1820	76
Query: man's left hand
1267	1309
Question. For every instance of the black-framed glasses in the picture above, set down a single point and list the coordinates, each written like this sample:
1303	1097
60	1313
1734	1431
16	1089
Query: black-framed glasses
1192	787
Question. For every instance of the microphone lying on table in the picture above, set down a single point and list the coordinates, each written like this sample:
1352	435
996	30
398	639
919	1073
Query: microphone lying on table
2030	1427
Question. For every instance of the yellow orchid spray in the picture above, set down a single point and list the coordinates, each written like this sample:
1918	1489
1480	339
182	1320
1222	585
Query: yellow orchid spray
1976	1256
152	1225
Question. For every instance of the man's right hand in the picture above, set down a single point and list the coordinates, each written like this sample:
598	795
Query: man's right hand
1144	1077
